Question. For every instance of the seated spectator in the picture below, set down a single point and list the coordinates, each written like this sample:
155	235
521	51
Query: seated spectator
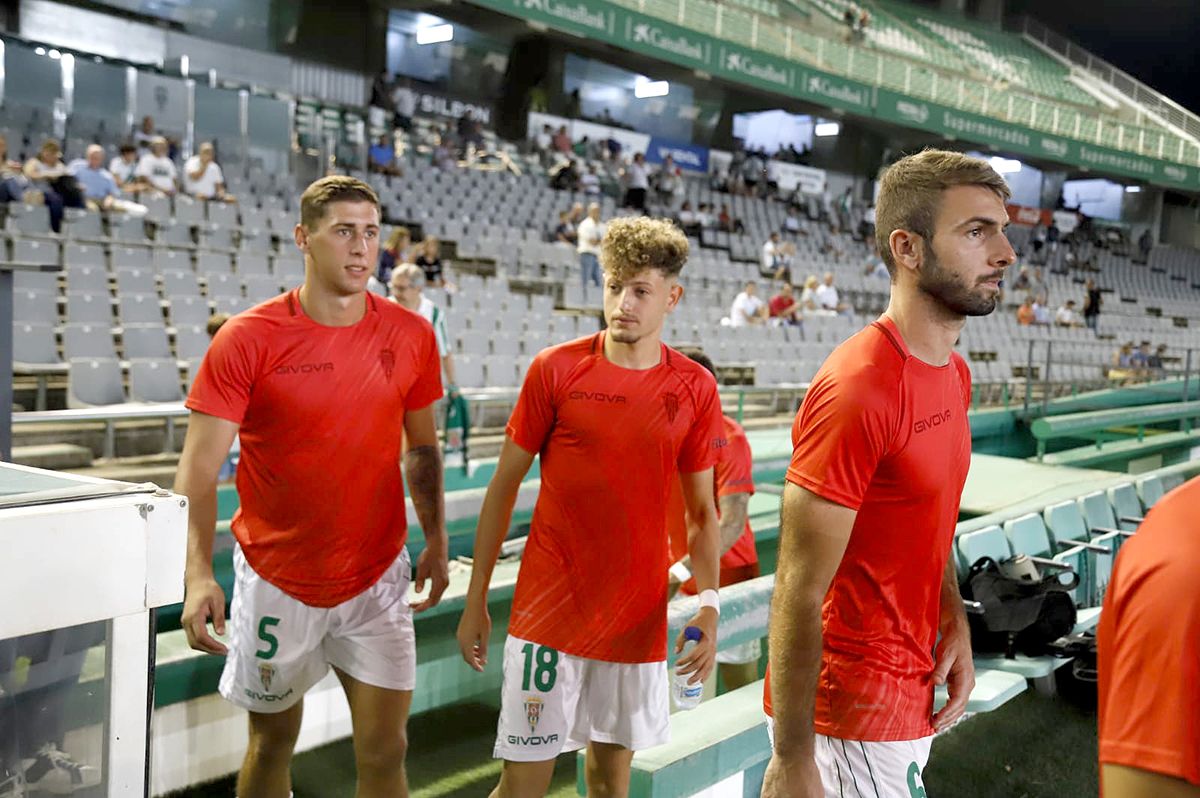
769	251
430	261
123	168
1066	315
704	216
808	297
382	157
1155	361
443	151
565	176
1022	280
144	136
157	169
637	182
1141	356
470	131
48	174
748	309
13	183
589	181
827	296
668	181
564	231
792	223
783	305
405	290
876	268
727	222
100	187
1037	286
394	252
785	253
203	178
1041	314
544	140
1025	312
562	141
1123	357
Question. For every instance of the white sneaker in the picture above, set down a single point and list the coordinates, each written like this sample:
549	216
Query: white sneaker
54	772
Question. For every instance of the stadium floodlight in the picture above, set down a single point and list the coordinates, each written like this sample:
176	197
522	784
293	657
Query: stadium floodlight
1132	189
1005	166
40	50
823	129
644	87
435	34
55	54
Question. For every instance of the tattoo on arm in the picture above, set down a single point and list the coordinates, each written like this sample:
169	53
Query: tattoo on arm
423	471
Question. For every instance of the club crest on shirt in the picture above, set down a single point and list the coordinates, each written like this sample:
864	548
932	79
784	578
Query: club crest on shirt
533	712
266	674
671	405
387	359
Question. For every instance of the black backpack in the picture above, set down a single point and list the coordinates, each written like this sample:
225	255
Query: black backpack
1015	615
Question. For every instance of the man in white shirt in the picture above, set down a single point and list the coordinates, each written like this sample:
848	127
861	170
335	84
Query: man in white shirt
748	308
827	296
1066	315
405	101
589	181
769	251
202	177
590	233
405	286
157	169
636	183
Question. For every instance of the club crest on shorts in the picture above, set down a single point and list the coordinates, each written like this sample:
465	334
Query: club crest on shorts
671	405
387	359
533	712
266	673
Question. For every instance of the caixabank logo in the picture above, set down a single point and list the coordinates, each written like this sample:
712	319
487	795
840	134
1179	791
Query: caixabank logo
579	13
680	44
745	64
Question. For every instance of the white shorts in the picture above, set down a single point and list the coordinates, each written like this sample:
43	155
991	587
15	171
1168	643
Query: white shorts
852	769
553	702
280	647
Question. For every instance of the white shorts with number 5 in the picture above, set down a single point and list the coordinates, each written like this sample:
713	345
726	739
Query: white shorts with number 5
554	702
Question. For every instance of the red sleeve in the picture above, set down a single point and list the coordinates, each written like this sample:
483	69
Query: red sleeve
706	437
964	373
226	377
843	430
735	471
427	388
533	416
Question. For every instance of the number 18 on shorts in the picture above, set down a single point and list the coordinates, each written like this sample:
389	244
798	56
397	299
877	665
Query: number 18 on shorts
553	702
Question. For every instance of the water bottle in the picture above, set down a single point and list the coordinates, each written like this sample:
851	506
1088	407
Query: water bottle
686	695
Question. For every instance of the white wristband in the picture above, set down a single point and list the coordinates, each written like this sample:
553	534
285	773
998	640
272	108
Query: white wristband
710	598
680	572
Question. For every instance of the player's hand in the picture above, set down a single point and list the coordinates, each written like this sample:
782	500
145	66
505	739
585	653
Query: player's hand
700	660
432	566
203	599
792	778
474	630
953	667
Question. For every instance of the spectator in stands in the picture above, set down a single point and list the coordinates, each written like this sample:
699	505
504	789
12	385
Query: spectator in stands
443	152
381	92
1067	316
405	290
1037	239
565	175
1052	237
1037	286
668	181
748	309
1022	281
202	176
704	216
689	220
637	182
845	210
875	267
1141	356
564	231
123	167
589	181
1155	361
404	99
562	141
808	297
144	136
1123	357
1145	244
1041	313
470	131
784	255
827	296
157	169
867	226
394	252
589	234
1091	305
727	222
48	174
430	261
100	187
382	157
752	171
13	183
783	305
769	252
792	224
1025	311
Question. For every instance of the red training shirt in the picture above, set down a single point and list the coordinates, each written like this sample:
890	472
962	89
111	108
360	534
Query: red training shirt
1148	644
593	579
885	434
321	417
734	473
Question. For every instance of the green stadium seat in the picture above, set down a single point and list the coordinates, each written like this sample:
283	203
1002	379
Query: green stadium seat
1029	536
1126	505
1150	490
1102	521
1069	531
986	542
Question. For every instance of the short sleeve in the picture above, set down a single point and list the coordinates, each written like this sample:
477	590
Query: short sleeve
427	388
227	374
735	471
143	168
439	330
533	417
706	437
220	175
844	428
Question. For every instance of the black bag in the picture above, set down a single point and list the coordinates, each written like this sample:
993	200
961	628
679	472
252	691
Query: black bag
1017	615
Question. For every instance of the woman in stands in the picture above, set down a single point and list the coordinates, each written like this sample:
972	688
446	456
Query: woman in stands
430	261
49	174
395	251
12	181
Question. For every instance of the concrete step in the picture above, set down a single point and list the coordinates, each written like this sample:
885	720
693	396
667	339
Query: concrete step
53	456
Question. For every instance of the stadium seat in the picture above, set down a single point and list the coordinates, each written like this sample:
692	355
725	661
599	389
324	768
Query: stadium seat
83	255
139	309
154	380
1069	529
1101	521
177	284
31	250
1150	490
88	341
145	341
208	263
34	344
189	311
191	342
32	220
132	258
35	306
94	381
87	279
85	308
986	542
136	280
1126	505
224	285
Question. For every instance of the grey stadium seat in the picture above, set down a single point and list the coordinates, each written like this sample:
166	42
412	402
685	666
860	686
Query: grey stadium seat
136	280
224	285
94	381
212	263
139	309
83	255
177	283
154	380
33	343
35	306
91	279
146	341
189	311
132	258
88	340
191	341
85	308
36	281
28	250
172	260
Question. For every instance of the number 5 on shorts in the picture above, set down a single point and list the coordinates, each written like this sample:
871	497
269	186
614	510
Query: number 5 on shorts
542	661
264	634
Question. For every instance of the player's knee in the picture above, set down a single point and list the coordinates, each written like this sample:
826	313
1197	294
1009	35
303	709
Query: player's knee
273	738
383	752
605	782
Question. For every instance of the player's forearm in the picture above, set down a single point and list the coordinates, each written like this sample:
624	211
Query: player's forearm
423	472
795	656
448	367
494	518
704	552
202	522
952	610
733	519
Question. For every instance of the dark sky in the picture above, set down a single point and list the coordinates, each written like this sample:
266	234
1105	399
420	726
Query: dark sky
1156	41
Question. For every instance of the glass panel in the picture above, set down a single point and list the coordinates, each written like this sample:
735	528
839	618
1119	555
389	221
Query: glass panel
54	699
32	79
164	99
99	99
217	121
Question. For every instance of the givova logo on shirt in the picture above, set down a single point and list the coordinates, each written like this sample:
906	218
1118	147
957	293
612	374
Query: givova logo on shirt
935	420
304	368
598	396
